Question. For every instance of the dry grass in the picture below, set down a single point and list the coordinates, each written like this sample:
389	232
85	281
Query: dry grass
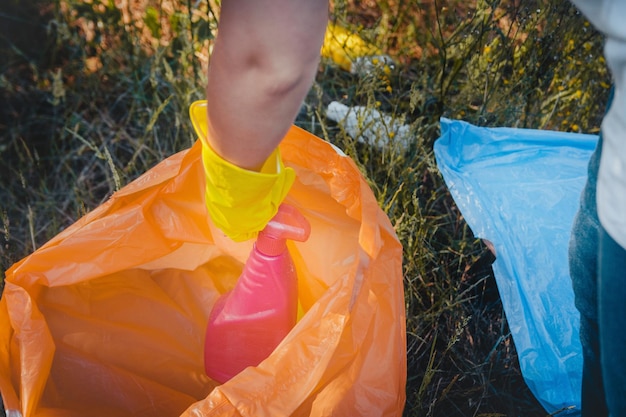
95	92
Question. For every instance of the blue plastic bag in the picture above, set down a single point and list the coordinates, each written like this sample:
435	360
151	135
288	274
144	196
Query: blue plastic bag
520	189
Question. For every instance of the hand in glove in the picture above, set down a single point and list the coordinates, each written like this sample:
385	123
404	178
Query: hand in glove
239	201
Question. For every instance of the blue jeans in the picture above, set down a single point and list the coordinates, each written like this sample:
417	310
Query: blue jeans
598	270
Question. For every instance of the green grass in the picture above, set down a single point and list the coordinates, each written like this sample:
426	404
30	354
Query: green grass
90	102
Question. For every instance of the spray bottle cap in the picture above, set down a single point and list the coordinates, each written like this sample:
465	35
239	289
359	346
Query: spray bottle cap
288	223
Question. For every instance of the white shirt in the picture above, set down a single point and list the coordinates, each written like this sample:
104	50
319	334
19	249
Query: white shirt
609	17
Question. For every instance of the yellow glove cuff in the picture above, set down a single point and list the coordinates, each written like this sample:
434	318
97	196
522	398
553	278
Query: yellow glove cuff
239	201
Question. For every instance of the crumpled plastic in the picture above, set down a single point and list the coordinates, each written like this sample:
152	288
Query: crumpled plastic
370	126
520	189
108	318
351	52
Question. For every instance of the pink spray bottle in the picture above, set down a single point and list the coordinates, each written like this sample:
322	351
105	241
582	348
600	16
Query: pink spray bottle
247	323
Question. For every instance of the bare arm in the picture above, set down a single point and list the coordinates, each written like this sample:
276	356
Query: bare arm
264	62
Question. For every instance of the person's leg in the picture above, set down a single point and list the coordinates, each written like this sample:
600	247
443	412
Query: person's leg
583	266
612	317
583	254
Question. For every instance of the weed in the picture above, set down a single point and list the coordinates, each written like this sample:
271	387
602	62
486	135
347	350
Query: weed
94	94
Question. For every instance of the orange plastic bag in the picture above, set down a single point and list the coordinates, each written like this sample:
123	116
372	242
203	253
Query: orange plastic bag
108	318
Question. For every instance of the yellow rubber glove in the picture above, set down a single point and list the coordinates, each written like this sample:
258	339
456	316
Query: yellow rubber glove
240	201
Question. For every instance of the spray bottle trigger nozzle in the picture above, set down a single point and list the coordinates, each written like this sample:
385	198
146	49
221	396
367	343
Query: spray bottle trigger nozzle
288	223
